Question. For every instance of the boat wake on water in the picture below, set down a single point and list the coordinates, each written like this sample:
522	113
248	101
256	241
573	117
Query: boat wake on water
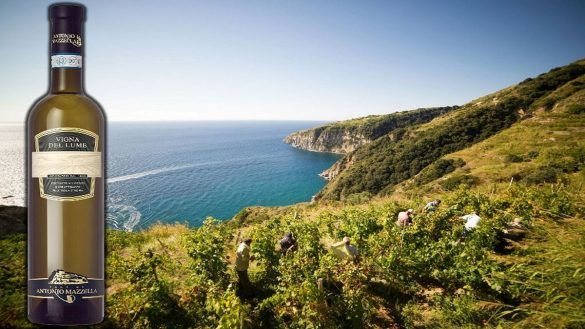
146	173
174	168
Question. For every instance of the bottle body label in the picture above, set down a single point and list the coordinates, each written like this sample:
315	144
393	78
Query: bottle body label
67	287
66	161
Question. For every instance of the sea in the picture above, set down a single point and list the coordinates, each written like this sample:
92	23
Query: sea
186	171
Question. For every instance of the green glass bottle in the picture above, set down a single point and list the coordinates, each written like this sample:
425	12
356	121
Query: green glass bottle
65	168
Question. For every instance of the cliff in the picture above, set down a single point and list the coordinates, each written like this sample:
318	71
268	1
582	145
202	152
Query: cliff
346	136
326	140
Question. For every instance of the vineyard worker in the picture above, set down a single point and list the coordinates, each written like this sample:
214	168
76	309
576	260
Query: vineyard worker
472	220
242	263
514	225
344	249
432	206
404	218
288	243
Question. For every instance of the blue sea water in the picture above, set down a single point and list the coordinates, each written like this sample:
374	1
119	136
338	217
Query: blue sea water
185	171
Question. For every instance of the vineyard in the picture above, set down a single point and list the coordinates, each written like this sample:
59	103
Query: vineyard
521	167
422	276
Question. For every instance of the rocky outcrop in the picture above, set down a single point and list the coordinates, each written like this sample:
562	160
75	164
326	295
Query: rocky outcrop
337	167
325	139
344	137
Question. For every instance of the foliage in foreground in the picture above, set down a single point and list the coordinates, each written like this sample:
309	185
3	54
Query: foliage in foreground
425	276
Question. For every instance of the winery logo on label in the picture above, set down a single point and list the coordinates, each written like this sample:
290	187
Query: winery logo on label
68	287
73	39
68	158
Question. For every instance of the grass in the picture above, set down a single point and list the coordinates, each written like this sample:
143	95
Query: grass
549	274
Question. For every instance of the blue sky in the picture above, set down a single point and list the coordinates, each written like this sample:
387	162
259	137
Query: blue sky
290	60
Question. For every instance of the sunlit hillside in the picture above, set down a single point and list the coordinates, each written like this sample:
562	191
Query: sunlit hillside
516	158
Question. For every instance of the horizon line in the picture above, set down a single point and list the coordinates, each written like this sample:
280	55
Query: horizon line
207	120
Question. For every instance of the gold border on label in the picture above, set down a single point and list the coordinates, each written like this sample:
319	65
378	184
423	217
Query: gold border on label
95	148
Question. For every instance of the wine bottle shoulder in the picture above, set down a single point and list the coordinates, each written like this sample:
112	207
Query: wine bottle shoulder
66	105
66	110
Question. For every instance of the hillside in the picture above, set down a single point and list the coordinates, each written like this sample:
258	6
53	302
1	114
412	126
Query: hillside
388	161
346	136
534	151
170	276
526	165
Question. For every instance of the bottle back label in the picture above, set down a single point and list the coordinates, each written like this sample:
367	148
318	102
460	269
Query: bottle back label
66	161
66	287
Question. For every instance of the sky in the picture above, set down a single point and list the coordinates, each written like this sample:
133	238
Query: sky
290	60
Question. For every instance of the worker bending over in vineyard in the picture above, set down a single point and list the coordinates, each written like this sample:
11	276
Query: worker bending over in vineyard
243	259
432	206
404	218
288	243
344	249
515	229
472	220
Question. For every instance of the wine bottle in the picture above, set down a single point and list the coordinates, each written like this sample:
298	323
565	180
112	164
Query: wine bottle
65	169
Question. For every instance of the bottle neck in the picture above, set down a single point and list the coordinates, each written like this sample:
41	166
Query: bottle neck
66	56
66	81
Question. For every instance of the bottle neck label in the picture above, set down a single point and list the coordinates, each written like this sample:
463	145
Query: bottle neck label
66	43
66	61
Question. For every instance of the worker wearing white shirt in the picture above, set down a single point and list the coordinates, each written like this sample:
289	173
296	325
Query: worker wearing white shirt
472	220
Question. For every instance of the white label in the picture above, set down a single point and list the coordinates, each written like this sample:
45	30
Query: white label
66	61
67	162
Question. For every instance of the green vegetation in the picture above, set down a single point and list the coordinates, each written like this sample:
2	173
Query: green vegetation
12	279
576	109
514	158
380	165
437	170
374	126
454	182
518	154
425	276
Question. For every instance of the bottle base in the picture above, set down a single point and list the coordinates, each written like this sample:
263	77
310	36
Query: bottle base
47	321
50	312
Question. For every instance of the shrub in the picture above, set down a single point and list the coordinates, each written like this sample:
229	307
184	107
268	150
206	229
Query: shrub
454	182
437	170
206	248
548	103
543	174
358	198
148	302
576	109
513	158
533	154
